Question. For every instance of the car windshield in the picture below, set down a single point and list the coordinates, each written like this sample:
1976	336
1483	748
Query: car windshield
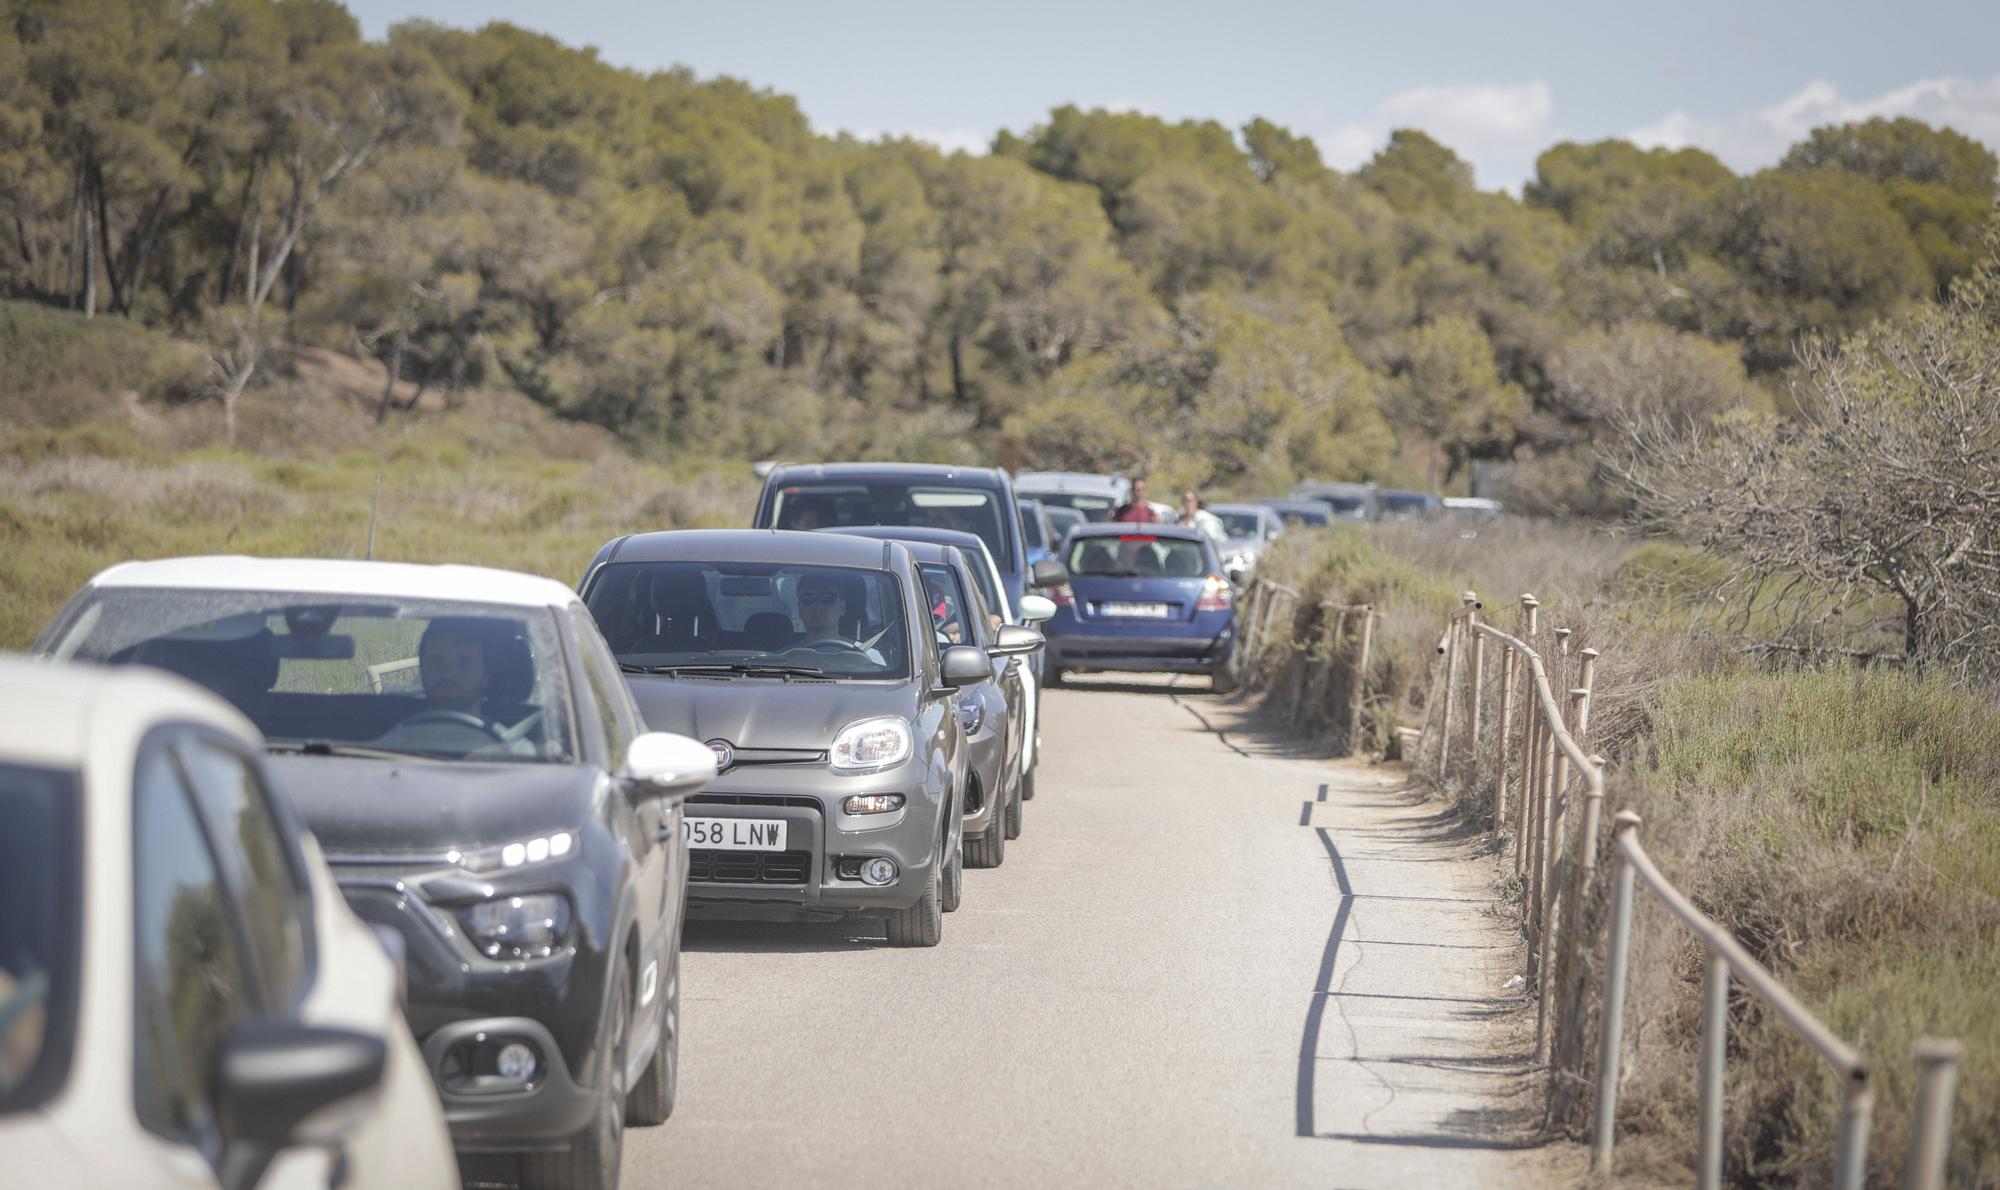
1093	506
1294	514
891	502
315	672
38	884
1136	555
1239	524
1031	529
835	621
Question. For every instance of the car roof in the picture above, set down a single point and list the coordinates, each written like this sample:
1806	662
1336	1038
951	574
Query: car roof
1239	508
750	545
1138	529
911	533
325	576
1304	491
47	707
946	473
1068	481
1289	502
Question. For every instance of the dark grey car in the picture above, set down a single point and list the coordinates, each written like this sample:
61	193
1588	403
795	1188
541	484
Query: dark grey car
808	663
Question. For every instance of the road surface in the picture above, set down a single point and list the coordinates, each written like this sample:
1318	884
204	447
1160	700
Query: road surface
1211	959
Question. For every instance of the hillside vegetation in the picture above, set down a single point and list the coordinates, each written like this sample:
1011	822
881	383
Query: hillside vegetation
684	262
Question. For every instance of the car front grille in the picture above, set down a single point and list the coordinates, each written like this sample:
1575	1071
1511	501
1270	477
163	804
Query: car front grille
748	867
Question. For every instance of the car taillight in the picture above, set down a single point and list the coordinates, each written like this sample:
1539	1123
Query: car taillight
1061	595
1215	594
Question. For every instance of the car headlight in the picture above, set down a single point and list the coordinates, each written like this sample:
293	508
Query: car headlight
870	744
530	926
513	855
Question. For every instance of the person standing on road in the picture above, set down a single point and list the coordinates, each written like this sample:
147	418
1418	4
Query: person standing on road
1192	513
1136	509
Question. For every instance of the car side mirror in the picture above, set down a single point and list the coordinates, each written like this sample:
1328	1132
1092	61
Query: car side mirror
660	763
279	1083
1048	573
965	665
1036	608
1015	640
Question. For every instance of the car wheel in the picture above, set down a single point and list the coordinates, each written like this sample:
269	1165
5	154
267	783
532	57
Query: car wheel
1028	786
922	924
1224	678
953	887
591	1162
652	1098
1051	678
1014	807
988	849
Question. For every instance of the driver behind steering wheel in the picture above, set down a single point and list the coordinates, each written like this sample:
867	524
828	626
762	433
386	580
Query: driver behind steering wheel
822	606
454	666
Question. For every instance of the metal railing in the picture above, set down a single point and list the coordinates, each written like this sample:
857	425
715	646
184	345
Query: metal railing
1538	754
1312	671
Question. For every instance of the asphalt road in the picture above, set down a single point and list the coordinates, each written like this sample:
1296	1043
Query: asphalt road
1209	960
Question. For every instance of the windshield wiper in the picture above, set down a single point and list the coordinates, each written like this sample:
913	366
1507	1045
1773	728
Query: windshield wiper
752	668
330	748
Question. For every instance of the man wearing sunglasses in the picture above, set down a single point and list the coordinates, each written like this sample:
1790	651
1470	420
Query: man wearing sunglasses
822	608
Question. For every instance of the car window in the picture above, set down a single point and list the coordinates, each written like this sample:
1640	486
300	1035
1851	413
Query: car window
896	502
191	982
1137	555
946	600
256	860
982	613
1239	524
40	866
1031	529
844	621
607	689
1091	505
442	679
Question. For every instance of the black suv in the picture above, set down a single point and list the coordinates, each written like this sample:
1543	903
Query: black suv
461	743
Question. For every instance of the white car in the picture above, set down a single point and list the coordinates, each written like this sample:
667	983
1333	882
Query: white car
185	999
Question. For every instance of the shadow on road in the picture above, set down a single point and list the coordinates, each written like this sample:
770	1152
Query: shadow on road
856	935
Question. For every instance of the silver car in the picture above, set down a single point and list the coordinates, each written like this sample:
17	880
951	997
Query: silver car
1250	528
808	663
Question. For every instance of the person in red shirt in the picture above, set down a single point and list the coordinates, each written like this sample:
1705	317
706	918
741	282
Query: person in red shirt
1137	510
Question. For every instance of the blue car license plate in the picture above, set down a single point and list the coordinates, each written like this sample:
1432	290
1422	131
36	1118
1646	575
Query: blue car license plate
1137	611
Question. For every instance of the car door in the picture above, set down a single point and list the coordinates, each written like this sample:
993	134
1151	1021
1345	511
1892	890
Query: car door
203	961
654	822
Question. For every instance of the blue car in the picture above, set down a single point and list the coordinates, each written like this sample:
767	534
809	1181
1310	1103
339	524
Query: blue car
1038	533
1146	598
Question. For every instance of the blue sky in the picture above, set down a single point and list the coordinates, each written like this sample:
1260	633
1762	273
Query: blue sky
1498	81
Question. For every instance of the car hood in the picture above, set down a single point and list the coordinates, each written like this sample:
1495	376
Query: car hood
359	804
764	712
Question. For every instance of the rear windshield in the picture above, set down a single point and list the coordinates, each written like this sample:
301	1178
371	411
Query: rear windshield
1304	516
38	932
440	679
1093	507
1239	524
1405	502
932	506
1137	555
840	621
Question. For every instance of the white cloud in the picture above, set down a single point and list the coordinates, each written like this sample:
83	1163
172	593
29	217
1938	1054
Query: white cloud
1498	128
1754	139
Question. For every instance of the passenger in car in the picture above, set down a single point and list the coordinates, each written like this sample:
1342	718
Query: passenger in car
823	610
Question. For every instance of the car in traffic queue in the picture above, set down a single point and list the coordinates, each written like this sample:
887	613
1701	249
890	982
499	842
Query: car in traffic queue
1032	609
462	744
1063	521
1249	529
1144	598
1349	501
1401	505
1302	514
1095	496
185	1000
808	663
1038	533
994	713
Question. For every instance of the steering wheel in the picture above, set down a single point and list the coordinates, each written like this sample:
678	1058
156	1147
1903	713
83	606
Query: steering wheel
459	718
832	646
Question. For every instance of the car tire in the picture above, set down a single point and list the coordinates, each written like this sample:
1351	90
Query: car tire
592	1160
1051	678
651	1100
922	924
988	848
953	888
1224	678
1014	807
1028	786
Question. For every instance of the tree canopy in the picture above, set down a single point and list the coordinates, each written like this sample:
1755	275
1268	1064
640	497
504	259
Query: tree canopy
684	261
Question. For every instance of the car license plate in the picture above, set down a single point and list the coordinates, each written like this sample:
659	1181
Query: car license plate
1147	611
736	834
